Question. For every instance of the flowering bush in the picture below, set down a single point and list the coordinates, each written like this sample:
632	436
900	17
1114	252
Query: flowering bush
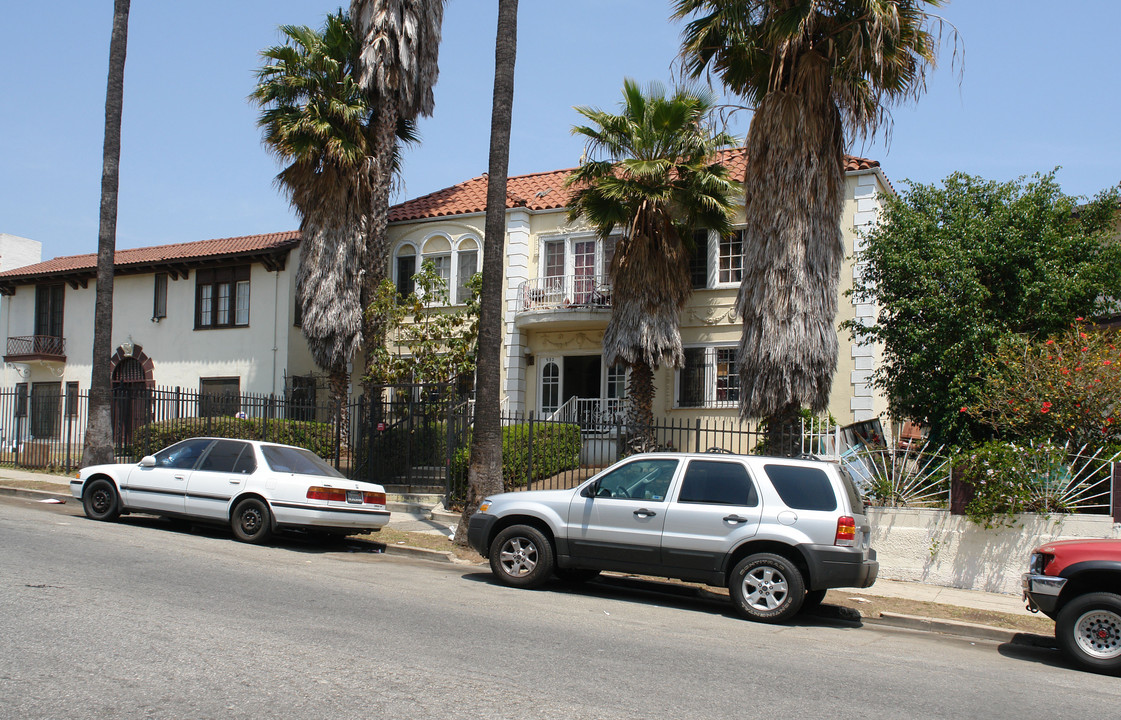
1009	479
1067	387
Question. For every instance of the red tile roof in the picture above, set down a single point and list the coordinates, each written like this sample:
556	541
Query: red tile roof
537	191
164	254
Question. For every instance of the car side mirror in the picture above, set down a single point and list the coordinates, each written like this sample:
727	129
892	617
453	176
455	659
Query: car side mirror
148	461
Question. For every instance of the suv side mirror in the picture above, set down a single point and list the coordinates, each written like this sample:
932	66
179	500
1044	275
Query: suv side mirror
590	490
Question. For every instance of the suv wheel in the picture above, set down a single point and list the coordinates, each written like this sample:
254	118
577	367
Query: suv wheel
1088	629
766	587
521	556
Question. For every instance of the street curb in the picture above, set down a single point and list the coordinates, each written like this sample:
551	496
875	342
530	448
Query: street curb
35	494
420	553
958	628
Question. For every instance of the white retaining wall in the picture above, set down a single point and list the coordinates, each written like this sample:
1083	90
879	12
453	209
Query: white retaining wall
935	547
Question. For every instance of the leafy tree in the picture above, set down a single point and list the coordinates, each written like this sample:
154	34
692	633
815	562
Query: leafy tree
811	71
484	474
97	447
1065	388
658	179
958	269
426	341
317	118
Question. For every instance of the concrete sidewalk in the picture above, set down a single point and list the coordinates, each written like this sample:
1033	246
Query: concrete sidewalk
412	518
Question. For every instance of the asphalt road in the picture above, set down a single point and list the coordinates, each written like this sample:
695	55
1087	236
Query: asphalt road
135	619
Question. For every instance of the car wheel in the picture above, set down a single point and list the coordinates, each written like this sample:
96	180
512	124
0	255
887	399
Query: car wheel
576	575
251	521
767	588
101	501
1088	629
813	599
521	556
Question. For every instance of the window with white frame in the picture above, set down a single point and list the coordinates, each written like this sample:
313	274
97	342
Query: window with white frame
455	264
709	378
222	297
730	258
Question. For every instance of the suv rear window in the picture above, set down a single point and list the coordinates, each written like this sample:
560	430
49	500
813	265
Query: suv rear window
717	483
802	488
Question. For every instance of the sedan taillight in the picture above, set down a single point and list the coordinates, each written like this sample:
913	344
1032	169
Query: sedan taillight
373	498
846	532
326	493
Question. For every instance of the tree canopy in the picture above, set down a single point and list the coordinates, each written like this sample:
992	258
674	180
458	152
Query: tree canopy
956	269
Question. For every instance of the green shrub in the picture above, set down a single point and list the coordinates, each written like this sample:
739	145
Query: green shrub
316	437
556	448
1009	479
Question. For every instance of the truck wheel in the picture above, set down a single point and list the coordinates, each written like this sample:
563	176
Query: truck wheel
767	588
1088	629
521	556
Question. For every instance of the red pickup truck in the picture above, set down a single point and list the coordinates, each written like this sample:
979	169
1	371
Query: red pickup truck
1077	583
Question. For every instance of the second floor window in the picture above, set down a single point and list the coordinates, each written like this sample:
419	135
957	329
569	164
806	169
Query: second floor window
48	310
222	297
730	269
159	299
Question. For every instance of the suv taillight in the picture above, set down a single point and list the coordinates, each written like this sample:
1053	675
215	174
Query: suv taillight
846	532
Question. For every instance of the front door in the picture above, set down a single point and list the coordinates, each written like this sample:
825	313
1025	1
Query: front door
46	408
620	527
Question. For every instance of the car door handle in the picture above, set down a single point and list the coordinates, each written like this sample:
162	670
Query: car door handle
643	512
180	477
235	481
735	519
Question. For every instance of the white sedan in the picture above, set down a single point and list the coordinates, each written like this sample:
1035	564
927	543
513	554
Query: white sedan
255	487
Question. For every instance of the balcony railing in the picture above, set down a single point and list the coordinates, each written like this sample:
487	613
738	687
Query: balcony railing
35	347
565	292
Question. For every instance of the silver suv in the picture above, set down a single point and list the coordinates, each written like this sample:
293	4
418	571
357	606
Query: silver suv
778	532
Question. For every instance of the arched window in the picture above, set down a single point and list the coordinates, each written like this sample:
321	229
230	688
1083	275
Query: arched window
467	264
550	388
455	263
405	269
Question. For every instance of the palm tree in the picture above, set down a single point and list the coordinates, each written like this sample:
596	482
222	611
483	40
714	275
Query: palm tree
398	45
811	70
484	474
658	181
97	447
317	118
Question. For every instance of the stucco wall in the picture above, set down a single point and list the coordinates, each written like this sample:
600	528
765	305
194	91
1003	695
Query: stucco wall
935	547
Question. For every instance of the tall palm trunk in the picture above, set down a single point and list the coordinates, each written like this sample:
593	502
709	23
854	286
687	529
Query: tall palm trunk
640	423
98	444
377	238
793	250
484	474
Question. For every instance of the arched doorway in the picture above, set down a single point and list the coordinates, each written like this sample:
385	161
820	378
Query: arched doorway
132	397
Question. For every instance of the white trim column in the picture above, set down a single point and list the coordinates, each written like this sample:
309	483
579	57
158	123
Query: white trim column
861	399
516	272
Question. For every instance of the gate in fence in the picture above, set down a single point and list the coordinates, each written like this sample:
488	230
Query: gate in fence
413	438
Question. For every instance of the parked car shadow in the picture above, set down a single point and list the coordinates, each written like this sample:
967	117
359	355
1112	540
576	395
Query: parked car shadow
296	540
685	597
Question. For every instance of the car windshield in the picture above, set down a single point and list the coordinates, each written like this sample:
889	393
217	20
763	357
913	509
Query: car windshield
297	460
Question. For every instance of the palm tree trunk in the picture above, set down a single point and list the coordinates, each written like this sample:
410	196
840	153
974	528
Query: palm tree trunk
98	443
784	431
640	425
338	380
377	244
484	473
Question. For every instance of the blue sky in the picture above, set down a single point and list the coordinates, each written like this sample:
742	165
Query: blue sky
1037	89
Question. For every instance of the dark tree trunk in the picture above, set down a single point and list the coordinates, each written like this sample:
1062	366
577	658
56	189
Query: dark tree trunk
784	431
377	240
484	473
98	444
640	430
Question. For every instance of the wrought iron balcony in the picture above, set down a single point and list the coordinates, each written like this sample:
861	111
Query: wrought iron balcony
36	347
565	292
